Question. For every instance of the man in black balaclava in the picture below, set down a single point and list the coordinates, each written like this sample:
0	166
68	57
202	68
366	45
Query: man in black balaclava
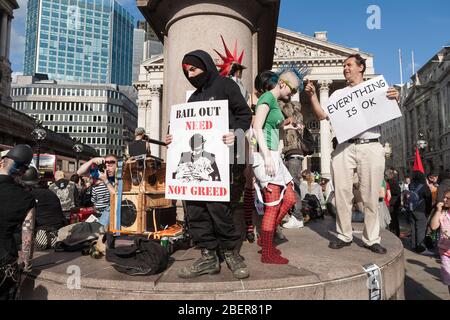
211	223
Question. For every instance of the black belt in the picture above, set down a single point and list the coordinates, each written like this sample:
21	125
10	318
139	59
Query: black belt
362	141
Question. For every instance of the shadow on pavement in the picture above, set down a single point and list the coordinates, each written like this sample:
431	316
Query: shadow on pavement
435	272
416	291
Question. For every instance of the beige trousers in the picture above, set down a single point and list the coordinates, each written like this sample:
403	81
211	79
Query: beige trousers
369	162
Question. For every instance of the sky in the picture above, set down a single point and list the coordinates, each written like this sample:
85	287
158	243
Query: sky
419	26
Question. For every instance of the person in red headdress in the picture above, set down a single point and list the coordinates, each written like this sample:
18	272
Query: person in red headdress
231	67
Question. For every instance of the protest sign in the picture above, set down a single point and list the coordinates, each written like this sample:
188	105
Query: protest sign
354	110
197	159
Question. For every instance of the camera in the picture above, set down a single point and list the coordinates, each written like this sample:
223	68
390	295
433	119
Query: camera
95	170
102	167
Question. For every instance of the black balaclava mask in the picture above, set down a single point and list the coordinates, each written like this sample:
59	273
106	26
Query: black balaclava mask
200	80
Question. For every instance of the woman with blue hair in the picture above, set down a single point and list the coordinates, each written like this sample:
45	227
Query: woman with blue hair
271	174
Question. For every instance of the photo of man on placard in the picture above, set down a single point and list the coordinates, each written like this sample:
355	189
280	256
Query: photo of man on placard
197	165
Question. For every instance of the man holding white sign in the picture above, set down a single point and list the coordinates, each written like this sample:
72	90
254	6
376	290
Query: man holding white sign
355	113
211	222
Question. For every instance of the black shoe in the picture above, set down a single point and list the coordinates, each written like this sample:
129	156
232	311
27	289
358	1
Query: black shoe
338	244
377	248
208	263
236	264
250	237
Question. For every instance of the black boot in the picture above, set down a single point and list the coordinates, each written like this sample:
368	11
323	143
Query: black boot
208	263
236	264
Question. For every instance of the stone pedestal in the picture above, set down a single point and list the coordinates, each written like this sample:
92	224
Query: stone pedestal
314	272
187	25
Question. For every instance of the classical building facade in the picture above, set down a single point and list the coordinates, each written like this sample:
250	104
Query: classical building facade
426	110
101	116
6	16
393	135
325	60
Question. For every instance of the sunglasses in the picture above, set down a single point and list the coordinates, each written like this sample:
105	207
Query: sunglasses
110	162
293	90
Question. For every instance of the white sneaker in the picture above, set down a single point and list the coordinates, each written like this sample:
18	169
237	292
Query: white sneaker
428	253
293	223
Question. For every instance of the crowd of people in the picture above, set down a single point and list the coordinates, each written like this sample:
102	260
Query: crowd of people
278	142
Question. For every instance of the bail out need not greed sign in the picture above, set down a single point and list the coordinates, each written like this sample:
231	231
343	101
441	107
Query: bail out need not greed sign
354	110
197	159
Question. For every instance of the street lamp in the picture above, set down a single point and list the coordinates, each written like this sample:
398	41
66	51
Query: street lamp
78	148
39	134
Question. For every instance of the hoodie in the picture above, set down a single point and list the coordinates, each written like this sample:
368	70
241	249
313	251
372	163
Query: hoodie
221	88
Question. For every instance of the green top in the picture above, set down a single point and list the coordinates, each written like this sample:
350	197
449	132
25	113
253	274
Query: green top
273	121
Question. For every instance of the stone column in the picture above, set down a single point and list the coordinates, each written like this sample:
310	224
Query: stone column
8	40
154	118
326	146
4	35
305	163
187	25
142	111
176	85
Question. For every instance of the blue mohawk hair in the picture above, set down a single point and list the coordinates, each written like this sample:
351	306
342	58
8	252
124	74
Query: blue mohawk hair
300	70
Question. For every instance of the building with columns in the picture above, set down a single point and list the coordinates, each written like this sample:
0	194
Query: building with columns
6	16
149	87
426	110
325	60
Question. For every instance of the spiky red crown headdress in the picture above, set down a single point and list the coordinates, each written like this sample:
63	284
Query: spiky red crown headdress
229	59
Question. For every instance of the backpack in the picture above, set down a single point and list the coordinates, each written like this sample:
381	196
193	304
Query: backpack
311	206
411	198
143	257
78	236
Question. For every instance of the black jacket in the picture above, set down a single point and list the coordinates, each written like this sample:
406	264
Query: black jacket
396	193
49	214
15	202
424	192
221	88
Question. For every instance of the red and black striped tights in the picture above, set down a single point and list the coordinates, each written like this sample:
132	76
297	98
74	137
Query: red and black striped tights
272	218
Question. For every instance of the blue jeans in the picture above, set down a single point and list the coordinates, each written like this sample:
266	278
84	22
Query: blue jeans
104	218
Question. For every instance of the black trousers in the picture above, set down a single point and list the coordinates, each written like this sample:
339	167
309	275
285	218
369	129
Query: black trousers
9	284
211	225
394	210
